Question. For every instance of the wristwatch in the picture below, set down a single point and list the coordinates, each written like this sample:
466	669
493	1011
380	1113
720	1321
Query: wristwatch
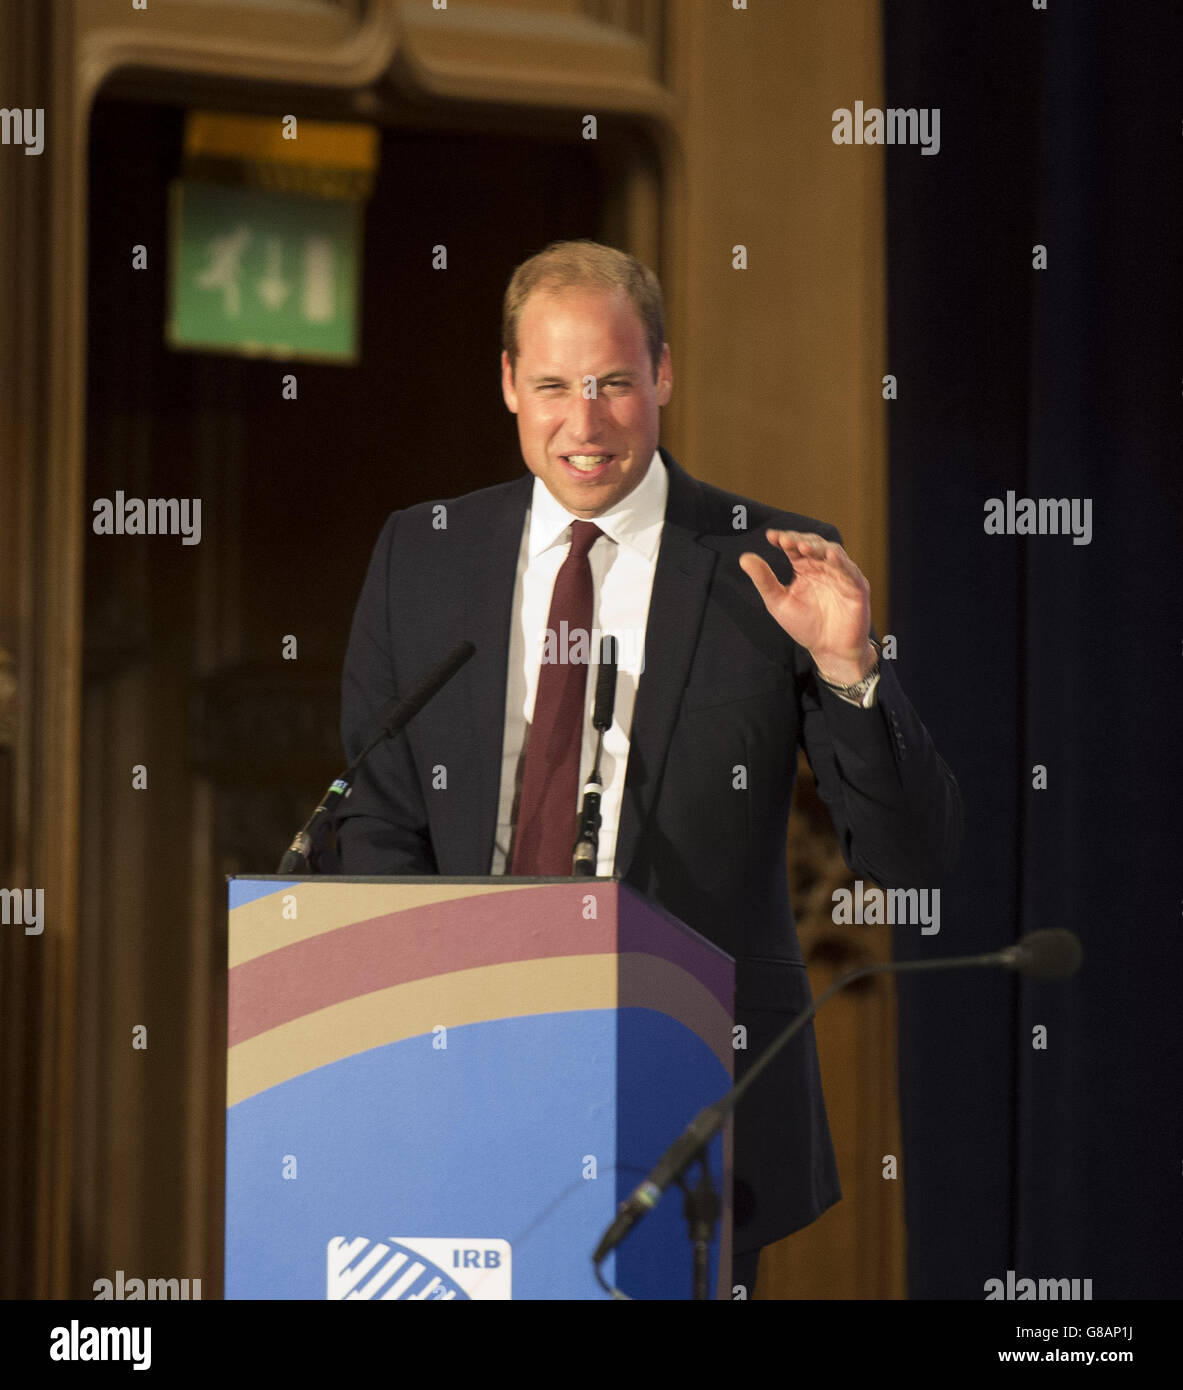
862	692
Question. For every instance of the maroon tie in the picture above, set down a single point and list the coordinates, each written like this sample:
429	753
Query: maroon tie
548	807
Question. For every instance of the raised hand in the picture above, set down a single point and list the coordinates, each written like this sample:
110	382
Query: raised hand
827	607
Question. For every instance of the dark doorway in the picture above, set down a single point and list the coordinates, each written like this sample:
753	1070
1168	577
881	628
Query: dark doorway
186	678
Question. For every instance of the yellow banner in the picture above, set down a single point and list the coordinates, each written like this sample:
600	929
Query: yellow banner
281	140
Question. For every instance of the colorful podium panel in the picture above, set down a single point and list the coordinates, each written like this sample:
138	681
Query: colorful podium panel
444	1088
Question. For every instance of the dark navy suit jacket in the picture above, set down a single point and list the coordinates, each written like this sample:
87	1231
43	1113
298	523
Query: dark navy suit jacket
723	685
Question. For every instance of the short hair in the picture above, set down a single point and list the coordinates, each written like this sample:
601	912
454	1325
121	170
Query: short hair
587	265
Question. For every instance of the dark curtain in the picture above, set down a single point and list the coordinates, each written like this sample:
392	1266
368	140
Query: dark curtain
1060	128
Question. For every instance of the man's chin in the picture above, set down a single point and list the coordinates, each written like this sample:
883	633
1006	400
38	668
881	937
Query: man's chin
588	493
584	497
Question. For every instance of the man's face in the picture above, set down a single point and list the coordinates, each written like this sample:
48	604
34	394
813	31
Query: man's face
589	452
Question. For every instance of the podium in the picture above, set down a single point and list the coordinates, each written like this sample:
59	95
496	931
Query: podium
444	1088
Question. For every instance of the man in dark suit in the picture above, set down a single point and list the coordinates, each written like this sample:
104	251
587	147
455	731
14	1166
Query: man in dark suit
729	662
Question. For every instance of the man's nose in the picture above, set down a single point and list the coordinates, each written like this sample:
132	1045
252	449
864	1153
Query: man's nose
583	419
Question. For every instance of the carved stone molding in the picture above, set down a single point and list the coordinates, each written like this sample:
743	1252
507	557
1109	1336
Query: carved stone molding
605	60
316	45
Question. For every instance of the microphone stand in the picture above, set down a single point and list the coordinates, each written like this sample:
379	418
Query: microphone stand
701	1207
587	842
1047	954
587	846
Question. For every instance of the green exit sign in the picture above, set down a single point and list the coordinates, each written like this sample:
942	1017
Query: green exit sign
264	274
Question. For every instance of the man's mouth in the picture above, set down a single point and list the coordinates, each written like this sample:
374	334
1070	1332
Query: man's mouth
587	463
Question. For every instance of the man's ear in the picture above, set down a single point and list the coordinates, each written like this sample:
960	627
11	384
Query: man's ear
665	376
508	389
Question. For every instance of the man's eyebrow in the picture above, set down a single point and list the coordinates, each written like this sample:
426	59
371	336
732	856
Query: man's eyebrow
541	378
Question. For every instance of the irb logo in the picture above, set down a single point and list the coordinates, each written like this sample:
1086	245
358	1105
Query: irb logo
487	1258
418	1269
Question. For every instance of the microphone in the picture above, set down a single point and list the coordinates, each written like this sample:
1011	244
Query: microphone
587	842
1048	954
428	687
605	686
295	861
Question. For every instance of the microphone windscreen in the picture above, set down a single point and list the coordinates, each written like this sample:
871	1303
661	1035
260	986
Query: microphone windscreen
605	685
1050	954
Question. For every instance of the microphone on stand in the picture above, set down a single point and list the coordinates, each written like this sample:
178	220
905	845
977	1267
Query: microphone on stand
295	861
587	842
1050	954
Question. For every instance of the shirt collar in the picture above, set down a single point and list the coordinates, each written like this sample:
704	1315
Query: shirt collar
635	520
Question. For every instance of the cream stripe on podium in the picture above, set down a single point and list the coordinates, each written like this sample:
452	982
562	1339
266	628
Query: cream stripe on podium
517	989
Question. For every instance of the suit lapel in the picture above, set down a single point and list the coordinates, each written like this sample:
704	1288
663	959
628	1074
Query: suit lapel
681	582
492	571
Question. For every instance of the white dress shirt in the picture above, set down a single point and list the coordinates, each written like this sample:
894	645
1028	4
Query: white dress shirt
623	562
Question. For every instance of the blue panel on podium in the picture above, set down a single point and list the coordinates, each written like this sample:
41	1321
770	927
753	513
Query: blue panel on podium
444	1090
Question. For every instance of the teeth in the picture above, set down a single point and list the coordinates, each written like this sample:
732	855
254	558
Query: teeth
588	461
